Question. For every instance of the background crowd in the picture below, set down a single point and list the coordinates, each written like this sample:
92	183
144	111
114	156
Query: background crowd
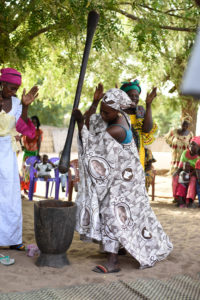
122	126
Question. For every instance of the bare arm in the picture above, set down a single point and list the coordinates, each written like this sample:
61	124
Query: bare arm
36	166
50	162
117	133
77	114
98	95
148	122
39	144
27	99
79	118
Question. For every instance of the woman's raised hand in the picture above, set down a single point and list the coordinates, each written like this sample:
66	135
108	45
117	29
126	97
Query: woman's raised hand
151	95
98	94
28	98
77	114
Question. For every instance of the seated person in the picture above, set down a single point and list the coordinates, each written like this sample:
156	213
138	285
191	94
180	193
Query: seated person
183	183
197	170
44	167
149	160
63	177
63	180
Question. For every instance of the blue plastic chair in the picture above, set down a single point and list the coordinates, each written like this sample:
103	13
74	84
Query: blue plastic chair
31	161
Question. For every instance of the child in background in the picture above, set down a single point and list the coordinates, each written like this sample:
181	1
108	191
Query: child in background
183	182
197	170
44	168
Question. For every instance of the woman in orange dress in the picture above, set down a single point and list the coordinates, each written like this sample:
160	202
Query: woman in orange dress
31	147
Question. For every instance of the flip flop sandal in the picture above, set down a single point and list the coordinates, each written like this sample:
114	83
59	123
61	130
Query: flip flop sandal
19	247
6	260
103	269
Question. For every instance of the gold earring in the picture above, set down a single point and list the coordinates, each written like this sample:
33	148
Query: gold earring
119	114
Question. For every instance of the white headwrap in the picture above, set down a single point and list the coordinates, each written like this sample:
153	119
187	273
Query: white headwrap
117	99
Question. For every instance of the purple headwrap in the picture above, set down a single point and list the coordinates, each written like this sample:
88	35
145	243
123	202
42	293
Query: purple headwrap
11	76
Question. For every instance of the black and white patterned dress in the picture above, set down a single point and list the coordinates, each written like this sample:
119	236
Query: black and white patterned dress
113	205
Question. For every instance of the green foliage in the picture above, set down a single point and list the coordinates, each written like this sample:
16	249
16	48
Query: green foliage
53	114
149	39
166	113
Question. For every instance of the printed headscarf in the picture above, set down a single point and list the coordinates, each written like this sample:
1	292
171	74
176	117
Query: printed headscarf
132	85
196	139
186	118
11	75
117	99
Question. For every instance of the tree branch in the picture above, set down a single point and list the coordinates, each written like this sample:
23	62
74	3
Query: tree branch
166	13
140	20
35	34
179	9
125	3
23	16
40	31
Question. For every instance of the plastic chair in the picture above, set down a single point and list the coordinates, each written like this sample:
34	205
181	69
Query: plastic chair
30	161
73	177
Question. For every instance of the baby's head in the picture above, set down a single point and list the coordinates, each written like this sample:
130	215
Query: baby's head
186	167
45	159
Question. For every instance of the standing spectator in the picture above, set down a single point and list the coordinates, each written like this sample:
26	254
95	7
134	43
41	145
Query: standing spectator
31	147
142	125
178	139
13	114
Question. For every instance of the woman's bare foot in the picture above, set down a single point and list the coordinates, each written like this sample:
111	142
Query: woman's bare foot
111	266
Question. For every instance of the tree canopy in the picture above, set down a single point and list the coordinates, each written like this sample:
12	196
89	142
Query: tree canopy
151	39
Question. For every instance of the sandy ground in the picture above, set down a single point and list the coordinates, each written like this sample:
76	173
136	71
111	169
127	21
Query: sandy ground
182	226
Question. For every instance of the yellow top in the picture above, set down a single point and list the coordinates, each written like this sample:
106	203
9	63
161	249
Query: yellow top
145	138
7	127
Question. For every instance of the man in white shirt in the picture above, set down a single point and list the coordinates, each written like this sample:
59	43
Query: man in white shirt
44	168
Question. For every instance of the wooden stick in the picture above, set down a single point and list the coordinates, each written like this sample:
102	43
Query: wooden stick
93	18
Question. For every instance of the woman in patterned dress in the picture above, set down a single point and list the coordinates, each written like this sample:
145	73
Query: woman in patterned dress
113	205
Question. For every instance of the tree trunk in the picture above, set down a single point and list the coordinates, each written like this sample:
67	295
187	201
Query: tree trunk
190	107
